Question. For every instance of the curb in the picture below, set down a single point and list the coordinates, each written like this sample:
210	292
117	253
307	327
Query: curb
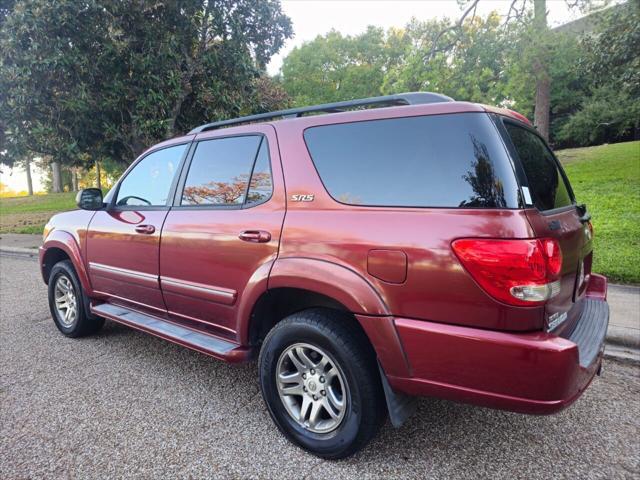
630	356
25	252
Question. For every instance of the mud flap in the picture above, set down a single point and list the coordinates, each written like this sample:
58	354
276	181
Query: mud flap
399	405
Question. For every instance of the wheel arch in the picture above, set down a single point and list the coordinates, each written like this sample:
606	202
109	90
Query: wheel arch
61	245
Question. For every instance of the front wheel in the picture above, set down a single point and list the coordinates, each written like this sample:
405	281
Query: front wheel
319	379
68	303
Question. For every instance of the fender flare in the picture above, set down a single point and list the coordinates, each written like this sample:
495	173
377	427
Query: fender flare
68	244
355	293
331	279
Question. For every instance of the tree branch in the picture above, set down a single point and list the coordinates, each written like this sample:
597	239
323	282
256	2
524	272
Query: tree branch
457	26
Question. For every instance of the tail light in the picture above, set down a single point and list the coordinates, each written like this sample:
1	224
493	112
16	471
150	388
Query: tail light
517	272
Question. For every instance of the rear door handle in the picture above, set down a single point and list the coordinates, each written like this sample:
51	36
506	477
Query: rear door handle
255	236
146	229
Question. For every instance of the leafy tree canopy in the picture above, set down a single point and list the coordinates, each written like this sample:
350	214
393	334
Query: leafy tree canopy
487	60
110	77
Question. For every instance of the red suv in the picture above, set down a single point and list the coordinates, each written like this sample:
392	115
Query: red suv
386	248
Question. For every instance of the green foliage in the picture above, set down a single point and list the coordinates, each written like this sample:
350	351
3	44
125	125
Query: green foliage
610	65
612	50
607	115
607	179
470	69
334	67
486	60
108	78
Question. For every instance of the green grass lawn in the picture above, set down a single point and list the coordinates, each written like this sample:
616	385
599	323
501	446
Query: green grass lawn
29	214
606	178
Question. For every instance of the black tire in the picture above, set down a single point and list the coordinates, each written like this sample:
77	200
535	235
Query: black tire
334	333
85	323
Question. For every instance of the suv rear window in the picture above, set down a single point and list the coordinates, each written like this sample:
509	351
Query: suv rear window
453	160
547	185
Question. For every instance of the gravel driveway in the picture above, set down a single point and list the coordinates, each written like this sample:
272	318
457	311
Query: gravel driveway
125	404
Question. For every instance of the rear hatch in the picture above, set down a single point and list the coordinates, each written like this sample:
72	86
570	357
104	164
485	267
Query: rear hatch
553	213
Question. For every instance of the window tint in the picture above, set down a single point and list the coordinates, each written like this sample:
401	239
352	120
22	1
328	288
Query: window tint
261	186
149	182
433	161
220	170
546	184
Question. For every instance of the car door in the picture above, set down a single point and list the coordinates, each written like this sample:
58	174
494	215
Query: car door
223	231
123	240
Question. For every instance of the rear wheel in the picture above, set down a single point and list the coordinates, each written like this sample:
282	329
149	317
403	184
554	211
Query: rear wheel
69	304
320	381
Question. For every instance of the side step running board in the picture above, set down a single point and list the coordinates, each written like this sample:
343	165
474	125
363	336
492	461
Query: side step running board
201	342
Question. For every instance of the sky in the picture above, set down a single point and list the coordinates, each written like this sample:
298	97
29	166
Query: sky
316	17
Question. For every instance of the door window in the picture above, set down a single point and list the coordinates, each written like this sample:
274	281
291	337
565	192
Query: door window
221	170
261	185
149	182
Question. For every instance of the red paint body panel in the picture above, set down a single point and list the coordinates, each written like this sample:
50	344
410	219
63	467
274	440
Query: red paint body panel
123	263
434	329
202	246
68	233
531	372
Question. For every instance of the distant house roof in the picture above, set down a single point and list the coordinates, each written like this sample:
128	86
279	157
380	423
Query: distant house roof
585	25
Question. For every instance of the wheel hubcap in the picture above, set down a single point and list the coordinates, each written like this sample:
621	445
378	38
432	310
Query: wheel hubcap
311	387
66	301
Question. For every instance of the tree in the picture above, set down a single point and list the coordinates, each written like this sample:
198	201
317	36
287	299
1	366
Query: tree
610	63
95	79
470	69
543	81
334	67
612	49
540	46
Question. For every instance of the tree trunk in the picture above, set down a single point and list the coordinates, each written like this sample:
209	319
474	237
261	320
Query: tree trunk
74	179
56	177
98	173
543	103
543	82
27	167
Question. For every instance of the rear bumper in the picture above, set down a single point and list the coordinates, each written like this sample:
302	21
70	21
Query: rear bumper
537	373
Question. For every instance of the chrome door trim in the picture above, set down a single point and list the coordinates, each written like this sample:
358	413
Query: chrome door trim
142	278
210	293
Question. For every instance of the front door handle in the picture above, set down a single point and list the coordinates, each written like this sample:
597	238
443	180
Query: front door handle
255	236
146	229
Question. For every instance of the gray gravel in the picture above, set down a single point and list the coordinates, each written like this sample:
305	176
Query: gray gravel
125	404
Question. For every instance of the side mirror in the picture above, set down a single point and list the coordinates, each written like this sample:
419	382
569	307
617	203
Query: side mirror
90	199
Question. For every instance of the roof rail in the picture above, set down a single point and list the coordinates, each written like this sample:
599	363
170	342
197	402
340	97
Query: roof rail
411	98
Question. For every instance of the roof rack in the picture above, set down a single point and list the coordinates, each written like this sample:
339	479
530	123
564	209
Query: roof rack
411	98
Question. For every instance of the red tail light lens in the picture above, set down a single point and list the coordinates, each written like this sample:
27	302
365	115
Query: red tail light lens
517	272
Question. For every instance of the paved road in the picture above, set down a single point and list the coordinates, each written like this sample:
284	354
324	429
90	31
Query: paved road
125	404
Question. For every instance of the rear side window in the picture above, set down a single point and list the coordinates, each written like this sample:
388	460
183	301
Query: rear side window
454	160
547	185
220	171
261	185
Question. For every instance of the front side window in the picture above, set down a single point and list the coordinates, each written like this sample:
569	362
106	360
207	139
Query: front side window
149	182
221	169
547	185
453	160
